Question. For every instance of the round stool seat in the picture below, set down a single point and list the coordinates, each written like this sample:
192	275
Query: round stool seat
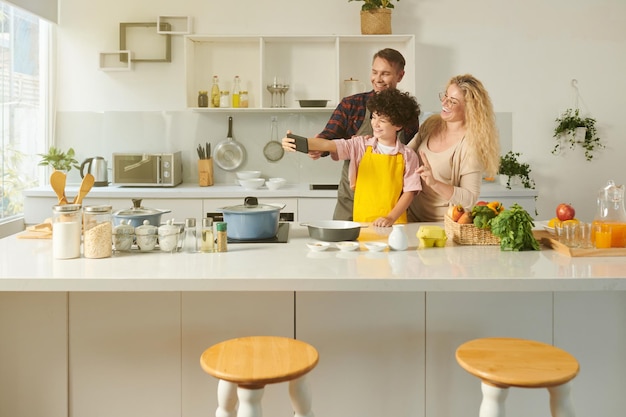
256	361
510	362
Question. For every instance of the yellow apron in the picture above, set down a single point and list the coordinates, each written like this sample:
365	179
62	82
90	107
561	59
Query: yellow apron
379	182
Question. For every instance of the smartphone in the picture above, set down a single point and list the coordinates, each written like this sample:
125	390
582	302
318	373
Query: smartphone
302	143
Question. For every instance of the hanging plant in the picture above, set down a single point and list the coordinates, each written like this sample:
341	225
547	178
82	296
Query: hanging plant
572	130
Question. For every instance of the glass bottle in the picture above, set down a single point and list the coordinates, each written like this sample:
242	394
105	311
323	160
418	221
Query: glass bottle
236	92
190	241
222	238
207	244
612	213
215	92
66	230
398	239
97	232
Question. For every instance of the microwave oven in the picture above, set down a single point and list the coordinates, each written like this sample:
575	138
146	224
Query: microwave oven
147	169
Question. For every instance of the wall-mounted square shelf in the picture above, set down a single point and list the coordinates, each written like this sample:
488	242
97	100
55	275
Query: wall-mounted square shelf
116	61
179	25
147	45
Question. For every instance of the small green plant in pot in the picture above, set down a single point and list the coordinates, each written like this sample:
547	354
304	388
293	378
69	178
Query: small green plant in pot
375	4
59	160
511	167
572	130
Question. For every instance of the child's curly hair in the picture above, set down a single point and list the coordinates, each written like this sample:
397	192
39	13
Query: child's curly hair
401	108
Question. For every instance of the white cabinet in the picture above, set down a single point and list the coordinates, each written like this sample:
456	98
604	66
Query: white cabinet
314	209
313	66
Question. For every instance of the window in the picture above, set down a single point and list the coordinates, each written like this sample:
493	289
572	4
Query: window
24	104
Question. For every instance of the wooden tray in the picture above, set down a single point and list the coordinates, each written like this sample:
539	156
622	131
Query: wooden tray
548	239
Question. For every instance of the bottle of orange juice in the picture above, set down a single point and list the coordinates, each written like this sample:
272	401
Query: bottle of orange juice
610	221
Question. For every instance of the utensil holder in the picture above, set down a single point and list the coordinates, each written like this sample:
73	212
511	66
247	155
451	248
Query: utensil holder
205	172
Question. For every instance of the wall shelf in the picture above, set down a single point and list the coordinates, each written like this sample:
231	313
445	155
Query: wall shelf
313	66
178	25
116	61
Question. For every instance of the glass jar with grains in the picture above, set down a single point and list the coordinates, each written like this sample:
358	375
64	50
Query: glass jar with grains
97	231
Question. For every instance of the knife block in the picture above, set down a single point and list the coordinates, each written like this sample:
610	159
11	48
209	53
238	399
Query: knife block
205	172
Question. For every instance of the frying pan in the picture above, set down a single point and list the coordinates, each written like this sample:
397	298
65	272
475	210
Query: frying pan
334	230
229	155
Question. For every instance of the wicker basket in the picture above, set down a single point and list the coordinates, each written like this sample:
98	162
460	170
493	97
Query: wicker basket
468	234
376	22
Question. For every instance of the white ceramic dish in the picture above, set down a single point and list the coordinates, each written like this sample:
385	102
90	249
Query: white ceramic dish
347	246
276	183
252	183
318	246
544	224
376	246
246	175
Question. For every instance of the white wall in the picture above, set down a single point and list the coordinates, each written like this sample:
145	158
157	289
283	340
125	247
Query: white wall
525	52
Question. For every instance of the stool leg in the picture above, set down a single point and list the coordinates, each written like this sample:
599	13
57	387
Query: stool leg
300	397
493	401
561	401
226	399
250	402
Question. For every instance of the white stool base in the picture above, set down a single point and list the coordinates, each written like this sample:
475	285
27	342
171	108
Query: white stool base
494	398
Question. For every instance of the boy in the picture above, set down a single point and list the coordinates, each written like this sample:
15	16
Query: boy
382	169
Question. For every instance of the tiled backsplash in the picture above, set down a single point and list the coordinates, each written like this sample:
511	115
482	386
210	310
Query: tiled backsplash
103	133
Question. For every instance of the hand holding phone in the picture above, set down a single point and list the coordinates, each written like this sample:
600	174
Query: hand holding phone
302	143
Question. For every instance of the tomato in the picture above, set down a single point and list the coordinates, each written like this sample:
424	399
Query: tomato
481	203
565	212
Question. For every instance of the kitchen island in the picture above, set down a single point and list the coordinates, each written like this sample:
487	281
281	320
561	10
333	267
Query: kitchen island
122	336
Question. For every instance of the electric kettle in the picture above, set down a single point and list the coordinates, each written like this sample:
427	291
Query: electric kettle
96	166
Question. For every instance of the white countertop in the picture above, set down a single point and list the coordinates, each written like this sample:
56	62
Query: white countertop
27	265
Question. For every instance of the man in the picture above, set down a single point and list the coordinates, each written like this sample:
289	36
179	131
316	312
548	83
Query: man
347	120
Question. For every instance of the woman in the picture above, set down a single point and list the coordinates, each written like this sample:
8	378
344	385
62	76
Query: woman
456	147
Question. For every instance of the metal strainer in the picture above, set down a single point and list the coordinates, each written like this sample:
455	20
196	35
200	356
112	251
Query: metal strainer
273	150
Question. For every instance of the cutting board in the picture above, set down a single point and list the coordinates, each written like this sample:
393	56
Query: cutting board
548	239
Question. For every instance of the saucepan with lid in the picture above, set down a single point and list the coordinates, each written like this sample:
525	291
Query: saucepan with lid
334	230
251	220
137	214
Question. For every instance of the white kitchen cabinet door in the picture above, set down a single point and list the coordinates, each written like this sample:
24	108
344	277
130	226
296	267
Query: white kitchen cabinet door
371	348
454	318
33	354
592	327
124	356
211	317
313	209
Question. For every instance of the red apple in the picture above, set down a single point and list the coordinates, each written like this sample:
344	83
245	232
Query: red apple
481	203
565	212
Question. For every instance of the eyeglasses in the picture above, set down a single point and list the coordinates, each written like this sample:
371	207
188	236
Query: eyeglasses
452	101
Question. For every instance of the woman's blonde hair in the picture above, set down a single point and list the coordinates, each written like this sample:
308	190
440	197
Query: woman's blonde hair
480	121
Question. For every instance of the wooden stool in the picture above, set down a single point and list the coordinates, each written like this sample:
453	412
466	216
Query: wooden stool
504	362
245	365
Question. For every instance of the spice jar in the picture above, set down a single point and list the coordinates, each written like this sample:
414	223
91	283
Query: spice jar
207	243
168	236
190	242
203	98
98	232
66	230
222	238
146	236
243	98
225	98
123	236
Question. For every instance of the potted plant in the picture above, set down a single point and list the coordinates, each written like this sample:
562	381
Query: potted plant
573	129
376	17
511	168
59	160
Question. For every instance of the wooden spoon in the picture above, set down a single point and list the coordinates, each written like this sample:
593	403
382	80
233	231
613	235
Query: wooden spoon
57	181
85	186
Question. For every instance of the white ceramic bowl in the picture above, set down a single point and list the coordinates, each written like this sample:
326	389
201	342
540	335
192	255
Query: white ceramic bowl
318	246
375	246
276	183
347	246
246	175
252	183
